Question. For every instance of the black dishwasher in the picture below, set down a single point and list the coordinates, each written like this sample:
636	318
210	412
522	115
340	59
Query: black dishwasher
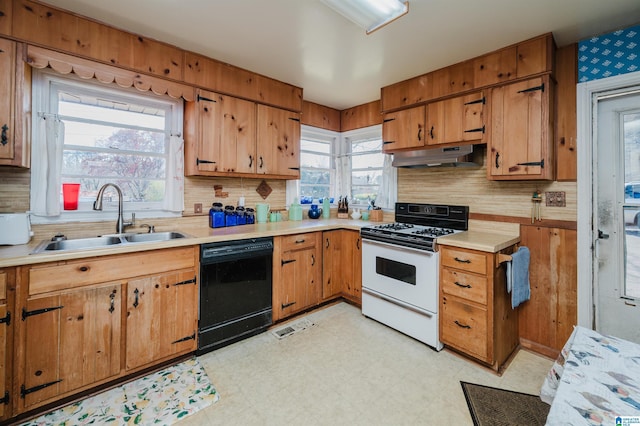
235	291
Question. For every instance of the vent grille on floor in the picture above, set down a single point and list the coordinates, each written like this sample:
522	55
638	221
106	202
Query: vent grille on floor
293	328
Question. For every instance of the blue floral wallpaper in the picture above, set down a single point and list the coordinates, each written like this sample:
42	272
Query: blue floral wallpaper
609	54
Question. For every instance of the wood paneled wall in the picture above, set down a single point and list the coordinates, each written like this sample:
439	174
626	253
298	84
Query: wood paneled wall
14	190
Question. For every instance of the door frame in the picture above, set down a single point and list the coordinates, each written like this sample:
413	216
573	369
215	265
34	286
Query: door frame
588	95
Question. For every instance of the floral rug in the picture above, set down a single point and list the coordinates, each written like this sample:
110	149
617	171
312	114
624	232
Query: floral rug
162	398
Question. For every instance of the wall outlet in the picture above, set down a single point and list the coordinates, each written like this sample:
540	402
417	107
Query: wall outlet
555	199
197	208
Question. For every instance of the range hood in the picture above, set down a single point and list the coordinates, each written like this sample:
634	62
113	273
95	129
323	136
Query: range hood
453	156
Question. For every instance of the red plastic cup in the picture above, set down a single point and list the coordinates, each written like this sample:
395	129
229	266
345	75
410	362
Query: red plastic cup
70	192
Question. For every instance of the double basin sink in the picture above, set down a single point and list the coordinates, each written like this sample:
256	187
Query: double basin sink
106	241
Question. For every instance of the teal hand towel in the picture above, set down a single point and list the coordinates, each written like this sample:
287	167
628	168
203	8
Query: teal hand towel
518	277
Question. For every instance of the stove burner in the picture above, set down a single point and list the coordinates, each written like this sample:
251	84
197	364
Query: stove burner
394	226
436	232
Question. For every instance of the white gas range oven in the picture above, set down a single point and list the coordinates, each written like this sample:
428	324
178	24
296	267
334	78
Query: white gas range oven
400	268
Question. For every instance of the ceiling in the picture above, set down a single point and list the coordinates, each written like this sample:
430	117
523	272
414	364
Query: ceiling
307	44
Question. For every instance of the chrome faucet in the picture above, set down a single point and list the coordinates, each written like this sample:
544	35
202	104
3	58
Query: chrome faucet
120	224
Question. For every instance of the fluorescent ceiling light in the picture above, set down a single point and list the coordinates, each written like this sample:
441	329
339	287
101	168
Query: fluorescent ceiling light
369	14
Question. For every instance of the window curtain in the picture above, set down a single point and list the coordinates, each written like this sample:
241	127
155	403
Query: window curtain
45	174
343	176
386	197
174	192
292	191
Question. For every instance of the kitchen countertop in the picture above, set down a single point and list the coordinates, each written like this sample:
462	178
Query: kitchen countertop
491	242
20	254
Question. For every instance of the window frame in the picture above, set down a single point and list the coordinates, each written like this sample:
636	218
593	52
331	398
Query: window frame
47	83
332	138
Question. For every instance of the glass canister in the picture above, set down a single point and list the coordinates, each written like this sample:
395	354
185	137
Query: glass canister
249	214
230	217
326	208
216	216
241	217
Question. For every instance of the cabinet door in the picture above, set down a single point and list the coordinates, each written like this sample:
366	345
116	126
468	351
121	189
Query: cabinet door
331	264
278	142
227	134
403	129
352	268
161	317
7	99
459	119
5	367
520	139
71	340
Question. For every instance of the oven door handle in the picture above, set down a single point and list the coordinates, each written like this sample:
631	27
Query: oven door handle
396	247
396	302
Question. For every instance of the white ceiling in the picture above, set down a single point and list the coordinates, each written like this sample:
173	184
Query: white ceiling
307	44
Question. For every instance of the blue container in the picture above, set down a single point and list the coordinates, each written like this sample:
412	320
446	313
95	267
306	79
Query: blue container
249	215
231	219
216	219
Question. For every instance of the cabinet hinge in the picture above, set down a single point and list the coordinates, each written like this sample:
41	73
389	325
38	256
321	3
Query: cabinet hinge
184	339
386	120
202	98
191	281
478	129
477	101
286	305
284	262
24	391
388	142
5	398
294	168
26	313
532	89
6	319
199	161
294	119
533	163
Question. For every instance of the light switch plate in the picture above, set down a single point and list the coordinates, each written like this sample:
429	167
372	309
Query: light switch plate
555	199
197	208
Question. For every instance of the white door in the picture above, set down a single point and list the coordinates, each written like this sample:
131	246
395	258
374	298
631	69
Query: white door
617	215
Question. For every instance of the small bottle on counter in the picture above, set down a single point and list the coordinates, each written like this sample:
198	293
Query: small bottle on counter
326	208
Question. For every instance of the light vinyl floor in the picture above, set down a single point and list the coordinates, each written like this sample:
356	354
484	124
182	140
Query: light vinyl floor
349	370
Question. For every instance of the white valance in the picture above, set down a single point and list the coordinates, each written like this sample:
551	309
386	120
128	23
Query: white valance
38	57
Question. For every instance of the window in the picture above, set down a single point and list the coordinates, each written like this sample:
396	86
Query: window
111	135
349	164
317	165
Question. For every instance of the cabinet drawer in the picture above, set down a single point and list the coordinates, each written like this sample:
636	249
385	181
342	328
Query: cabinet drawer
464	327
78	273
468	260
3	285
298	241
467	286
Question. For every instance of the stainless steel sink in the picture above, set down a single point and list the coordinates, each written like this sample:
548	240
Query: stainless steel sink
106	241
154	236
79	244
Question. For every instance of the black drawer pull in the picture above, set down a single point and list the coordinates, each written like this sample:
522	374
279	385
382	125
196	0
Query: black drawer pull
462	325
299	241
457	259
462	285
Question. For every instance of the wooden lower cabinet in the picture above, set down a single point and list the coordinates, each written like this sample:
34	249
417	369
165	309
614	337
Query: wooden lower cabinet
83	324
162	317
297	273
7	280
475	309
342	265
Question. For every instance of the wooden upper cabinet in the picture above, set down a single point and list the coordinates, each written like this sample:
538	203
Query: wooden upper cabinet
320	116
278	142
535	56
459	119
453	79
404	129
496	67
15	106
406	93
521	132
226	135
6	7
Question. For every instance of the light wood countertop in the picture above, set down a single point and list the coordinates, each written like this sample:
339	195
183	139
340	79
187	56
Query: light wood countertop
491	242
21	254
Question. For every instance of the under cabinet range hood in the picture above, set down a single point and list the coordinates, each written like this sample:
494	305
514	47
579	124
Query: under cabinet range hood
453	156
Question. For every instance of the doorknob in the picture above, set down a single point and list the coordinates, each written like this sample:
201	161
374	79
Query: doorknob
602	235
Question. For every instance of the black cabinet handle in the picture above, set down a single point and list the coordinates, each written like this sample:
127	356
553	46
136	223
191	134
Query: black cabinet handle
250	160
261	161
358	243
112	304
299	241
136	292
497	160
327	243
431	133
462	285
533	163
420	134
462	325
5	139
457	259
313	259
